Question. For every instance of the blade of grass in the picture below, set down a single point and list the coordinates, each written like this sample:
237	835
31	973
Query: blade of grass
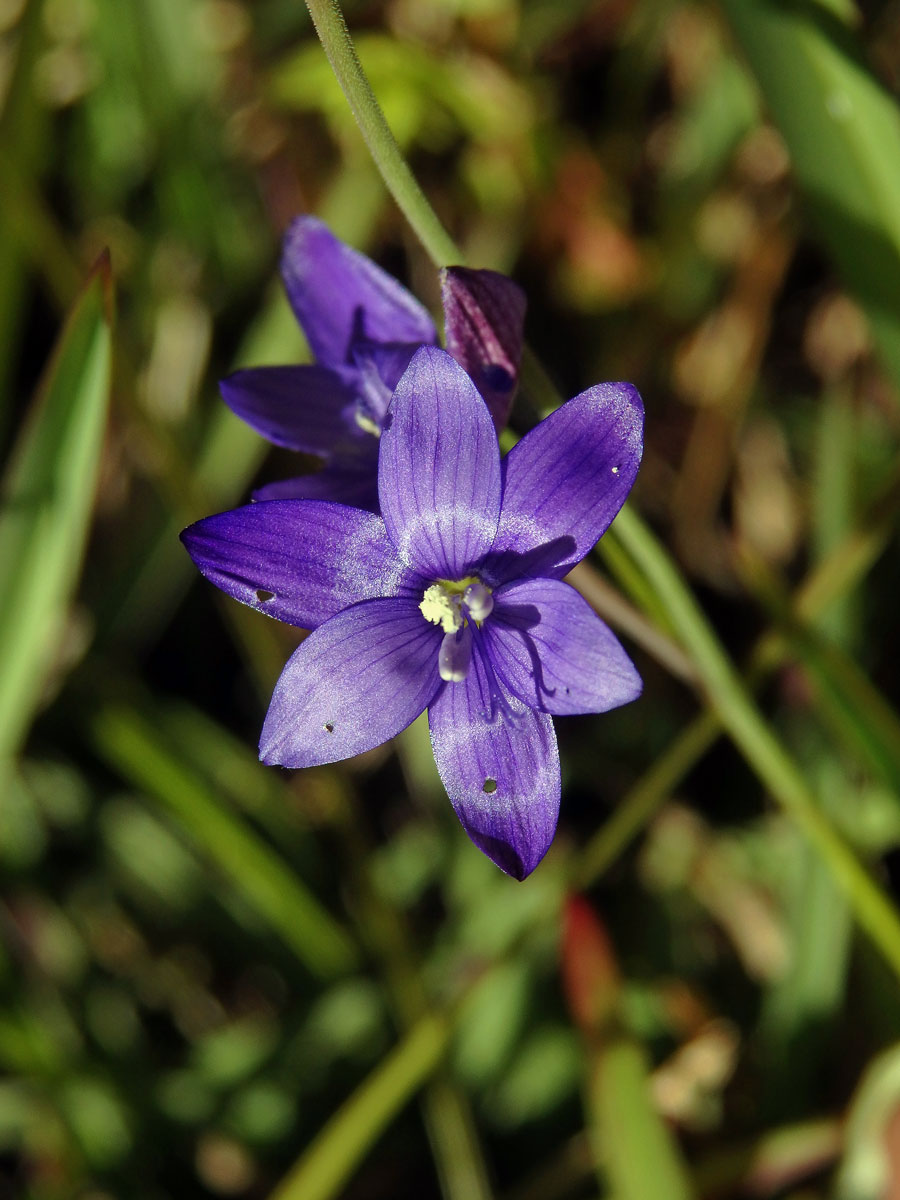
774	1161
645	798
636	1147
48	494
861	717
135	749
751	734
323	1169
456	1147
854	708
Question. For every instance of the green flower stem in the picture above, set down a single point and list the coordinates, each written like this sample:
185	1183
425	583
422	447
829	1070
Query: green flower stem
728	695
331	28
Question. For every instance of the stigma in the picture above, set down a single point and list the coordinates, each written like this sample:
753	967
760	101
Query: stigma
454	604
455	655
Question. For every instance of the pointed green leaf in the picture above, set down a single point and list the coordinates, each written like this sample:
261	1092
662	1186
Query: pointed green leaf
46	499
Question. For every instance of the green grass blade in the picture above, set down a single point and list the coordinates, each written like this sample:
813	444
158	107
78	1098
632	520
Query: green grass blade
842	129
47	499
636	1147
329	1162
752	735
136	750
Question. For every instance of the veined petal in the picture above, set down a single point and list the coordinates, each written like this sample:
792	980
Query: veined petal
499	763
338	294
565	481
484	320
306	408
349	479
301	561
552	650
439	468
356	682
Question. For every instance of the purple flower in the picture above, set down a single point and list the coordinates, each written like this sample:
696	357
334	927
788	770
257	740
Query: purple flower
363	328
451	600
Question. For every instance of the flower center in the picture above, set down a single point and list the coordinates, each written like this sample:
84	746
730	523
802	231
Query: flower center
453	604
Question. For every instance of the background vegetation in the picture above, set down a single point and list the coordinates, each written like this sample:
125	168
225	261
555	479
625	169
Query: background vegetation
224	980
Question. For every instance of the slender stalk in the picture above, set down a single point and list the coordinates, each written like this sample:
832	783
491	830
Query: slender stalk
331	28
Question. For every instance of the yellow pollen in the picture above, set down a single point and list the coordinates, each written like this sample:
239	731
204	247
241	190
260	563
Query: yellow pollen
441	608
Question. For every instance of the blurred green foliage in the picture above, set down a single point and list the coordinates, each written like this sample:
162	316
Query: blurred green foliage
224	980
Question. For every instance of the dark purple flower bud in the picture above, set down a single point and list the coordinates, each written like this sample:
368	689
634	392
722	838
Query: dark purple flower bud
484	315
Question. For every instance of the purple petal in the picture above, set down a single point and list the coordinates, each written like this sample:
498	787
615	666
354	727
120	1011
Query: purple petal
338	294
439	468
566	480
347	480
353	684
379	367
499	763
300	561
484	315
389	359
303	408
552	650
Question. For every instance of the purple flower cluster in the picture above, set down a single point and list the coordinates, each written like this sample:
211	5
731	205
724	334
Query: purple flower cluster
447	593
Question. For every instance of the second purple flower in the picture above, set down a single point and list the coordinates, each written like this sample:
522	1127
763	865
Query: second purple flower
363	328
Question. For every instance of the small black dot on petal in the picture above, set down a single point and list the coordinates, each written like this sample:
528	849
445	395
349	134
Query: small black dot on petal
489	786
328	727
262	595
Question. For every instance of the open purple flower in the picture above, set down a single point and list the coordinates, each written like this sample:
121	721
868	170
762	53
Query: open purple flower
363	328
451	600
